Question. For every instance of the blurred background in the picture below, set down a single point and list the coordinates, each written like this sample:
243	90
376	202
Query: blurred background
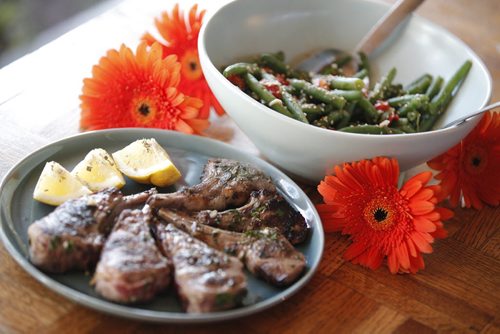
25	25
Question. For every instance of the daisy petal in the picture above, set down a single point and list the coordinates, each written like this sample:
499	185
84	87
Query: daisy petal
392	262
421	243
424	225
362	201
179	36
402	255
139	90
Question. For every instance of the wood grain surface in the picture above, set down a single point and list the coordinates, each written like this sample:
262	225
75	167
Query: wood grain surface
458	291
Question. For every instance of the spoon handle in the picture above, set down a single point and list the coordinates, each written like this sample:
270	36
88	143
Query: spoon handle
466	118
386	25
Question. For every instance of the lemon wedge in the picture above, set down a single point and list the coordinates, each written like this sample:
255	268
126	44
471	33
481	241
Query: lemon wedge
98	171
145	161
56	185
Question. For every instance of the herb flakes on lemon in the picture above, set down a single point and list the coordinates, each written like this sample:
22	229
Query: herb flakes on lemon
145	161
56	185
98	171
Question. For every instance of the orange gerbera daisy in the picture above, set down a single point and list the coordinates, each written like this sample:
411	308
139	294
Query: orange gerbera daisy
140	90
471	169
181	38
363	200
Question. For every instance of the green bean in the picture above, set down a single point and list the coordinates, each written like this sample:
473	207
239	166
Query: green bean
266	96
420	85
346	83
343	104
400	101
322	123
419	102
313	111
401	130
276	63
413	116
240	69
441	101
427	121
329	121
346	116
370	129
384	84
402	121
330	69
311	108
343	61
403	125
292	106
335	67
319	93
336	116
361	74
435	87
365	65
270	60
267	76
370	114
279	55
349	95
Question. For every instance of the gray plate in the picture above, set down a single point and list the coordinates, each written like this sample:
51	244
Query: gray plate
189	153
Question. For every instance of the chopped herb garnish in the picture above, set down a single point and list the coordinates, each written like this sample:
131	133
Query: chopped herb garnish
68	246
54	242
223	299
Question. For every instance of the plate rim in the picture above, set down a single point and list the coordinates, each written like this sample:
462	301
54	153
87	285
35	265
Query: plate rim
131	312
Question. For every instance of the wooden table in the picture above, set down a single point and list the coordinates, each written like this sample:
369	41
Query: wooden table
457	292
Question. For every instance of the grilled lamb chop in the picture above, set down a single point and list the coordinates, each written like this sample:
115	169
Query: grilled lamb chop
265	209
72	236
135	201
224	183
131	268
266	253
207	280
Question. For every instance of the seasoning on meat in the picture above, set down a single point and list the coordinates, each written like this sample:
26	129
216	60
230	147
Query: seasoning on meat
207	280
131	268
264	209
265	252
224	183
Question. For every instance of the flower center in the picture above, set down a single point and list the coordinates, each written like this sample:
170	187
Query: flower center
190	65
143	111
379	214
476	160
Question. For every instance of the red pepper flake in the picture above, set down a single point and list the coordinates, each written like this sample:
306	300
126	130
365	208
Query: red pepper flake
273	87
393	117
282	79
382	105
237	81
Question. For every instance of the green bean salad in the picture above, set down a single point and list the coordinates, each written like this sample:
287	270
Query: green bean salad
331	99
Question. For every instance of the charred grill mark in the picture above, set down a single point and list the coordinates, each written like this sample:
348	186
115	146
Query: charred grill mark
266	253
202	274
131	268
264	209
224	184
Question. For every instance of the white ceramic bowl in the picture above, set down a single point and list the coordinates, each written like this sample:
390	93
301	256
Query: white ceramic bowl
247	27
